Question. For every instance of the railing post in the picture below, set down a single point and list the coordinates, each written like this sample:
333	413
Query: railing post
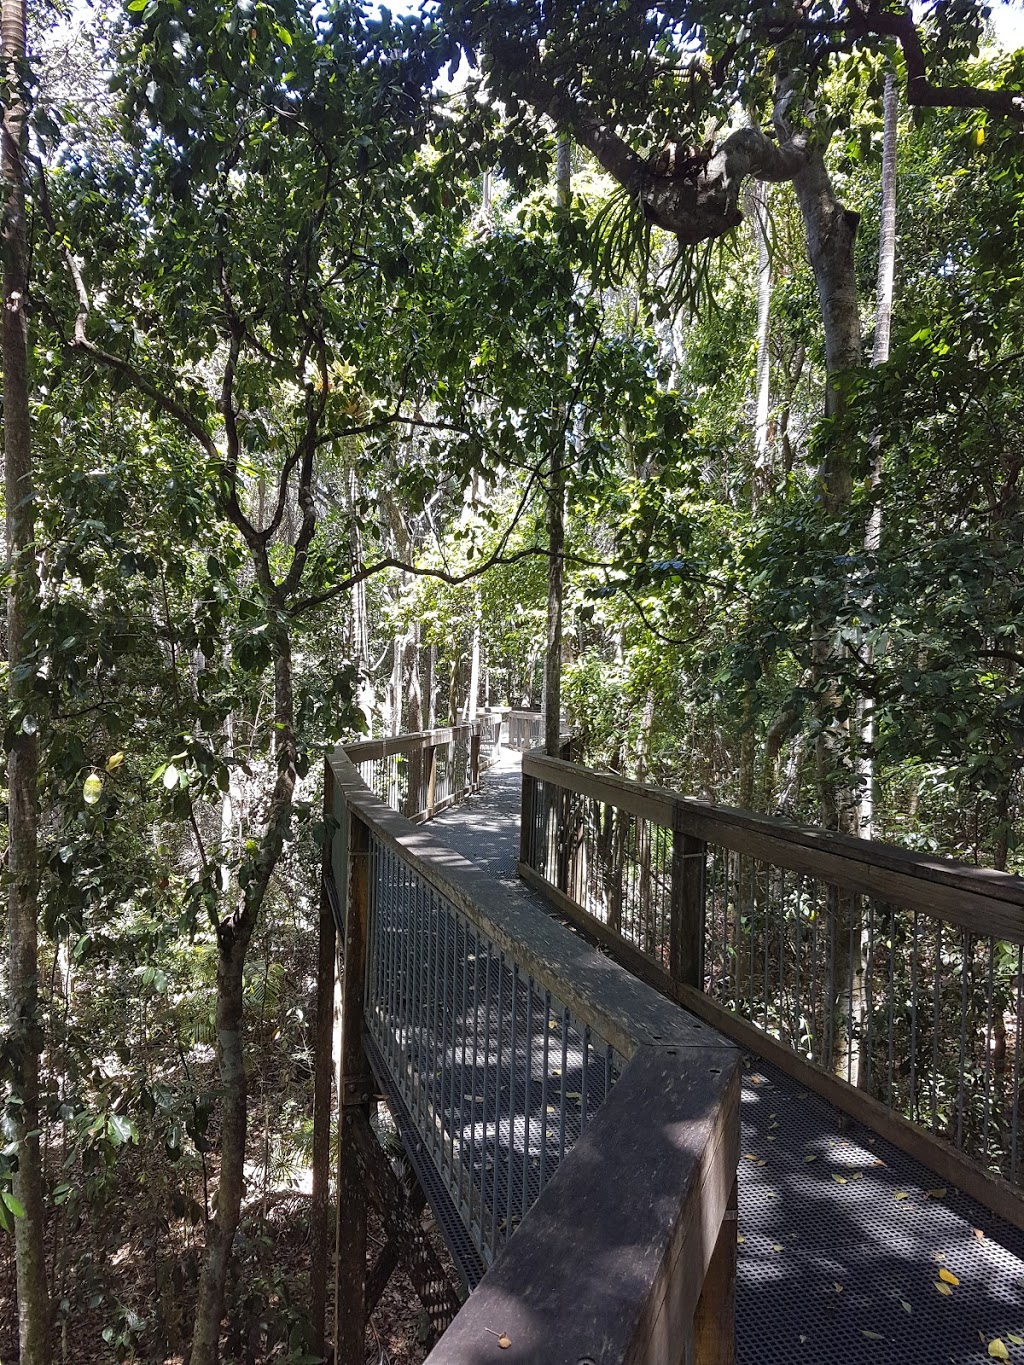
714	1323
687	906
354	1087
474	758
431	766
527	816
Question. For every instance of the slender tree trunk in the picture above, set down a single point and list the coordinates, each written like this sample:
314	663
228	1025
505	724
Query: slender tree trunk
879	355
761	478
23	753
233	938
552	694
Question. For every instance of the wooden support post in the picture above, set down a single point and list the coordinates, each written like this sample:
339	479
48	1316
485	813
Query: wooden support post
527	816
714	1323
431	766
323	1077
355	1090
435	1291
474	759
687	907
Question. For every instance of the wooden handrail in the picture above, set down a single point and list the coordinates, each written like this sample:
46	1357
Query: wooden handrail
978	899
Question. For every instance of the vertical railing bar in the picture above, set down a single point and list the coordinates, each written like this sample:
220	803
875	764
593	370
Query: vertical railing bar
484	1122
461	1023
527	1108
767	893
585	1081
565	1066
914	975
936	1024
497	1104
475	1147
545	1060
1015	1109
852	1043
966	950
989	991
891	1059
513	1056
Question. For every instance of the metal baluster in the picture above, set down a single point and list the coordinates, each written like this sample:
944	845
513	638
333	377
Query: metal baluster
1018	1034
913	1018
989	992
525	1202
891	1059
936	1023
545	1062
565	1067
474	1082
584	1083
498	1103
964	995
513	1056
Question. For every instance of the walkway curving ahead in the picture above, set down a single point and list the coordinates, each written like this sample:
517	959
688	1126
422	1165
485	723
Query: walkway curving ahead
850	1251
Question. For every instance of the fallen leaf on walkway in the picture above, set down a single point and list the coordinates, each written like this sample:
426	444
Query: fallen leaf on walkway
504	1342
857	1175
740	1237
948	1276
777	1247
905	1306
979	1234
940	1193
839	1179
900	1194
1017	1341
813	1156
749	1156
763	1162
997	1350
871	1336
942	1288
771	1137
837	1286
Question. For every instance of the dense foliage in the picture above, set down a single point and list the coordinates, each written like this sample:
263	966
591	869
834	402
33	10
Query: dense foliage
310	330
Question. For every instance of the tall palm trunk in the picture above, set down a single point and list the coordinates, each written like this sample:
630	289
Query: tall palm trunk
23	753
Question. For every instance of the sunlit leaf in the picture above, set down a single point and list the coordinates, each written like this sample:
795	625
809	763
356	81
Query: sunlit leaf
997	1350
948	1276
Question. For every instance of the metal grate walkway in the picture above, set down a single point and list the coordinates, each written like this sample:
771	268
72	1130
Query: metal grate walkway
851	1251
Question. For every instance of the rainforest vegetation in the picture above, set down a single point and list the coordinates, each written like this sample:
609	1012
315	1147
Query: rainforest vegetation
338	345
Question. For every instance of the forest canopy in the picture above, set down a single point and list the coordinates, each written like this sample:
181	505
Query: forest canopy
340	344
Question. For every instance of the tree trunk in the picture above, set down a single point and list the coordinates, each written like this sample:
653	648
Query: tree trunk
234	935
552	697
761	478
233	1115
879	355
23	753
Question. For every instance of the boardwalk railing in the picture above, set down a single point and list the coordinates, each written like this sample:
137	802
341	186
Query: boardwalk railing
576	1134
422	773
890	981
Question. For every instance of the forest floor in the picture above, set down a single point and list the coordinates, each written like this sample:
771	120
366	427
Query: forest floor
395	1335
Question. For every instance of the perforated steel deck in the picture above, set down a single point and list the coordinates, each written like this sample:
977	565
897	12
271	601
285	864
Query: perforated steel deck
841	1254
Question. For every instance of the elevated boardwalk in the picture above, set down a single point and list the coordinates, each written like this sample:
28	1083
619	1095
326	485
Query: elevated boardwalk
604	1015
826	1271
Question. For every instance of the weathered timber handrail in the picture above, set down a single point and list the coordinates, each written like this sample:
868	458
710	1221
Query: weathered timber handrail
979	899
627	1241
423	772
889	981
